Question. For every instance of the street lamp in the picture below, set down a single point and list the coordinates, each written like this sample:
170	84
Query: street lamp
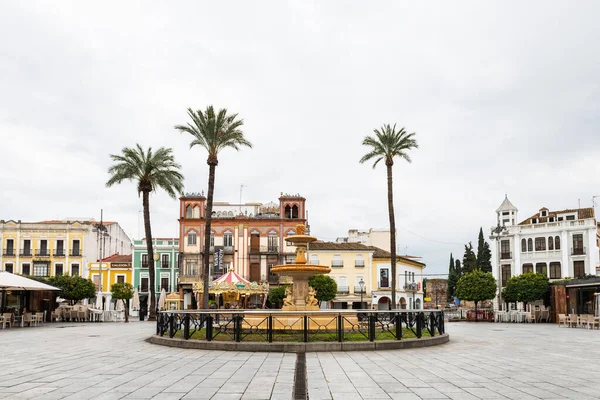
497	233
361	283
101	235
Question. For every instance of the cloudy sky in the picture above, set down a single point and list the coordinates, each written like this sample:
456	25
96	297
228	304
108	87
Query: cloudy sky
503	96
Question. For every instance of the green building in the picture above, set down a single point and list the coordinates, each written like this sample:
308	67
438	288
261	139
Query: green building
166	258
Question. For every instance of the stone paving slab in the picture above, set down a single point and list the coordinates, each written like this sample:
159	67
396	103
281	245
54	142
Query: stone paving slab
105	361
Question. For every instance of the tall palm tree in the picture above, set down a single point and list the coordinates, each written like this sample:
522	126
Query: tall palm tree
151	170
385	145
214	132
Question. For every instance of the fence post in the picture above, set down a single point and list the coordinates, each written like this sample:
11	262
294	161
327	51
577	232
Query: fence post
432	323
171	325
441	327
340	328
398	326
186	326
270	328
371	327
305	328
209	327
419	325
237	328
158	330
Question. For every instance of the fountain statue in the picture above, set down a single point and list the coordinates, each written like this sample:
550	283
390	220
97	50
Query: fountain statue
301	297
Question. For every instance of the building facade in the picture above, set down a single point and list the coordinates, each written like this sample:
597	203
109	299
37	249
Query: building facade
409	282
116	268
559	244
436	291
379	238
166	266
57	247
249	238
350	264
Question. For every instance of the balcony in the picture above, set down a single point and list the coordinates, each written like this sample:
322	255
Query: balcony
343	290
59	253
337	264
359	264
578	251
75	253
164	265
189	278
25	253
358	289
506	255
8	252
228	249
264	249
42	253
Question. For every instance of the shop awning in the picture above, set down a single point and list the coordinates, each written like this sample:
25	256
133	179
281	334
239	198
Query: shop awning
10	281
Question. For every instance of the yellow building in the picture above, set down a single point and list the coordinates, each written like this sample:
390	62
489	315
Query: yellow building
115	269
350	265
409	282
43	249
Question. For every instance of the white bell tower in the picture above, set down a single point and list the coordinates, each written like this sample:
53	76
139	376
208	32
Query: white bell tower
506	213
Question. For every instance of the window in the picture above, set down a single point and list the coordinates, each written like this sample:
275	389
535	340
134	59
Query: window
191	239
120	278
529	244
196	212
359	262
550	243
543	213
505	213
505	274
337	261
272	241
41	269
144	260
164	284
26	269
58	269
413	277
579	269
314	259
76	250
8	267
74	269
560	218
557	243
212	239
527	268
505	249
578	244
43	249
228	239
26	248
540	244
144	285
165	261
188	212
523	245
555	270
60	248
10	248
191	269
384	278
570	218
541	268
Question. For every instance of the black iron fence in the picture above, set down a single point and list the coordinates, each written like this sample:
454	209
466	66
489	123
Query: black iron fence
300	326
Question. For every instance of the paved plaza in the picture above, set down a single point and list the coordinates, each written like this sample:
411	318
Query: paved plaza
482	361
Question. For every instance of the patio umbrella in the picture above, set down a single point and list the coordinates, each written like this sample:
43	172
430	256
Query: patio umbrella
135	303
119	306
98	304
10	281
162	300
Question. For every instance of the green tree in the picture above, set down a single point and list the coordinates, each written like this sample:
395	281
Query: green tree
123	291
214	132
476	286
452	279
276	296
458	271
511	290
73	288
531	287
425	287
325	286
386	144
484	254
151	171
469	263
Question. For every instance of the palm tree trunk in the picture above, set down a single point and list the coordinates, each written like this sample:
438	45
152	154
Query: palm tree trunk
392	232
148	229
208	218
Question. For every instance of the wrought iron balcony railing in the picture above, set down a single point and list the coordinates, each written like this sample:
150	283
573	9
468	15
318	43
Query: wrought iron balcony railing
343	290
337	264
506	255
360	289
359	264
59	253
25	253
42	253
75	253
578	251
8	252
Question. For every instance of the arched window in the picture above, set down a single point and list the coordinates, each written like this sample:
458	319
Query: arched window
550	243
288	211
192	238
523	245
188	212
196	212
230	214
295	211
557	243
530	244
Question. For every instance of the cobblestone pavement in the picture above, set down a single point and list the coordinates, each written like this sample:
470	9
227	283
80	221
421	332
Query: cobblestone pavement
482	361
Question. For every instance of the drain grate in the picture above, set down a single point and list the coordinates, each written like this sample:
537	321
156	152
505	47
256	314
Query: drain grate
300	387
94	336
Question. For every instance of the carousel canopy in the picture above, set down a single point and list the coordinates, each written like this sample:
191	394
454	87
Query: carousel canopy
232	283
230	277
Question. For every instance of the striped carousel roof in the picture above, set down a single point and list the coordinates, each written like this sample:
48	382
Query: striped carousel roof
231	277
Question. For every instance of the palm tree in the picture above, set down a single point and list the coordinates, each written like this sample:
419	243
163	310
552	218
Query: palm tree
385	145
214	132
151	170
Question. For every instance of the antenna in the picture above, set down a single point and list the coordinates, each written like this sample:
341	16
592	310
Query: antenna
241	189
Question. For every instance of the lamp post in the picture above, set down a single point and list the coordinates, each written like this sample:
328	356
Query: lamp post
497	232
101	235
361	283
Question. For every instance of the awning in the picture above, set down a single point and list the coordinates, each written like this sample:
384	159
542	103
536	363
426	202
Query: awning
10	281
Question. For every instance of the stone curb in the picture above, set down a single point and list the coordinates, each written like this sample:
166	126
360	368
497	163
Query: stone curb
300	347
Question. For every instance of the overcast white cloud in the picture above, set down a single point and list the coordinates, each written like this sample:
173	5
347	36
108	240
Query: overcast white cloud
504	97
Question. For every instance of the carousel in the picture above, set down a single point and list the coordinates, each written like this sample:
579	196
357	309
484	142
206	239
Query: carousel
233	291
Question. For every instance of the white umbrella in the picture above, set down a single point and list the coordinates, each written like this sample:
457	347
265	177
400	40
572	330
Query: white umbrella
162	300
10	281
119	306
99	301
135	303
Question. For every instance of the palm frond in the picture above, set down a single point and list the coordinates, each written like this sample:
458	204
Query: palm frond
388	143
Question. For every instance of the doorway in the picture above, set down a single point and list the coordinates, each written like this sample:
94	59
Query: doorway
254	272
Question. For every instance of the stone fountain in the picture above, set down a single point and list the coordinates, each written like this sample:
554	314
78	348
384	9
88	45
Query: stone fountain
300	297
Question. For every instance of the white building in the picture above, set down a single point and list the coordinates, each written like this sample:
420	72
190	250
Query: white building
373	237
559	244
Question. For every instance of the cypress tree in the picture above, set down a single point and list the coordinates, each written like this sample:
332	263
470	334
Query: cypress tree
484	254
452	279
458	269
469	263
